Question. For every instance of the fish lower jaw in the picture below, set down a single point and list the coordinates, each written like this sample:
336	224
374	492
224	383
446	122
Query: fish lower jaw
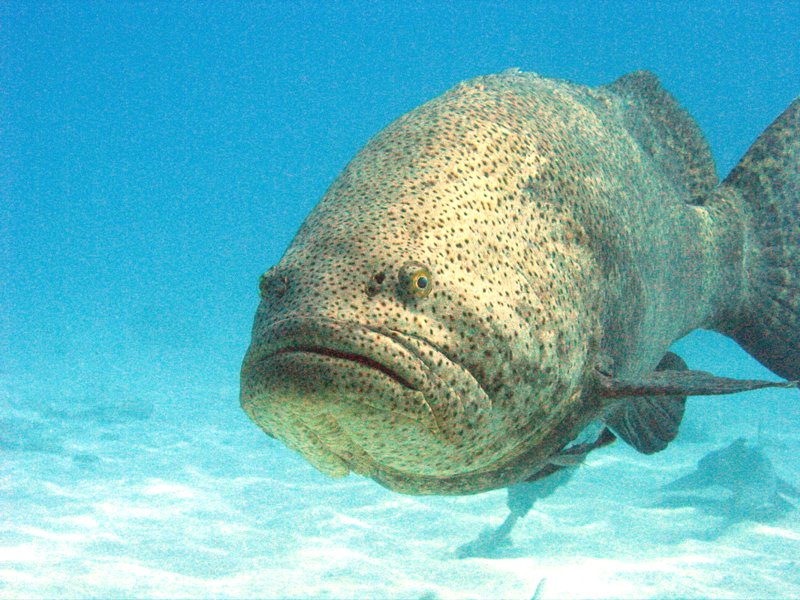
334	408
345	411
342	435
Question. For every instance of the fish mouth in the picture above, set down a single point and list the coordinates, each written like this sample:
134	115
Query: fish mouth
350	396
354	357
330	340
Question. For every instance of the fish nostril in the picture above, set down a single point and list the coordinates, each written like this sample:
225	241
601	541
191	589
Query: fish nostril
375	283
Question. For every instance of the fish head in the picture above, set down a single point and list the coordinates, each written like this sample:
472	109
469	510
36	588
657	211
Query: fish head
426	327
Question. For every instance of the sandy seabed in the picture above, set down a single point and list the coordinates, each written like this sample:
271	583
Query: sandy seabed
189	499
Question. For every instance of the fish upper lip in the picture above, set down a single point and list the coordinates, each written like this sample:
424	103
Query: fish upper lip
407	360
348	340
359	358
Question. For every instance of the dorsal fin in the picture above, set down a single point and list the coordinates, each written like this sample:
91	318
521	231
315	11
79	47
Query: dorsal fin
667	133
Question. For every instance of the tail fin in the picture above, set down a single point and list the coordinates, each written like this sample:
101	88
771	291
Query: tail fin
768	180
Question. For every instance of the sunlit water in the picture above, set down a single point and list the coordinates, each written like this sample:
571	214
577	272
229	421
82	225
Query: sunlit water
159	157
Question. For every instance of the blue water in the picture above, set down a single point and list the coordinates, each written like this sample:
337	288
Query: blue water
157	157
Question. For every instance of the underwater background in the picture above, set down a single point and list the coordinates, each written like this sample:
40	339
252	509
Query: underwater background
157	157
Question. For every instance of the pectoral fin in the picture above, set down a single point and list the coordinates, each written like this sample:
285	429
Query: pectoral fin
651	406
670	382
649	422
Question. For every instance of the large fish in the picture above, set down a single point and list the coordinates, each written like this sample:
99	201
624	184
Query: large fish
509	263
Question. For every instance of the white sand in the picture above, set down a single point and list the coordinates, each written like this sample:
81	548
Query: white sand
194	501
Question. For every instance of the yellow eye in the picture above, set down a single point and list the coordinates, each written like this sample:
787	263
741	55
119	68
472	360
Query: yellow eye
416	280
420	283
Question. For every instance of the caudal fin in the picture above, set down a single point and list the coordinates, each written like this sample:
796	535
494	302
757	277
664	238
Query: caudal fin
767	325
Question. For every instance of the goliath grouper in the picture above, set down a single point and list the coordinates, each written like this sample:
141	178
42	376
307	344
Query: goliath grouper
509	263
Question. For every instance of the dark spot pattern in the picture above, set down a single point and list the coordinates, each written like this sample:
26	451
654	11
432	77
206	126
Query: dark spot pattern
486	249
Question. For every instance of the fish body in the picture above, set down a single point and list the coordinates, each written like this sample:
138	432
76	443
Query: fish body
480	281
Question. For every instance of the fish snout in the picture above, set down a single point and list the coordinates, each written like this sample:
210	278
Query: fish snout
352	397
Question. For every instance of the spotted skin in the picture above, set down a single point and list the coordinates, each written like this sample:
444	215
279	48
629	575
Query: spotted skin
439	319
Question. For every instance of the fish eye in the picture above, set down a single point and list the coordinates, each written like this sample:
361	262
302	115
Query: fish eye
272	284
415	280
